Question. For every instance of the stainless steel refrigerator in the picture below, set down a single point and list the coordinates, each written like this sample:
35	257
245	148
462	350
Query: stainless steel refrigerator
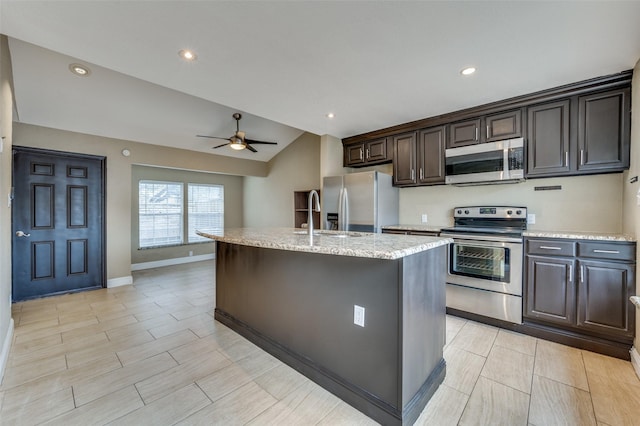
363	202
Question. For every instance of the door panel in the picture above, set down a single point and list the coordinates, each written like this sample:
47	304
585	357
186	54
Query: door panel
59	207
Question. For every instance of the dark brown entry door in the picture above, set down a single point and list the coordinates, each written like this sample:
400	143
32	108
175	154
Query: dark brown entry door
58	223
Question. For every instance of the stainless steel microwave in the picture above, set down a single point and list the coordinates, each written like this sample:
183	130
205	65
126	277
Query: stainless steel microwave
491	162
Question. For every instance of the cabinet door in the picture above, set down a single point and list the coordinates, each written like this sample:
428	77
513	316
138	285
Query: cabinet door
548	139
431	155
376	150
404	159
603	131
603	297
550	291
505	125
464	133
353	154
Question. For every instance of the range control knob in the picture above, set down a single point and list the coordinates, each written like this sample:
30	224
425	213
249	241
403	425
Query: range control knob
459	211
518	211
509	212
466	212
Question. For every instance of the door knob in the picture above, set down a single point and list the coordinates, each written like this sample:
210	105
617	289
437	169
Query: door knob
22	234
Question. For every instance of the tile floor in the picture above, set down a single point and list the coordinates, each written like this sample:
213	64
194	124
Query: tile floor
151	353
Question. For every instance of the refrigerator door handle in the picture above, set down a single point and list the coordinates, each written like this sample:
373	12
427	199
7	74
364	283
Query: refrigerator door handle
340	217
345	210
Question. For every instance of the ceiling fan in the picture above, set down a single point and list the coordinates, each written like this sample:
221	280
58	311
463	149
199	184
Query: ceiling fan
238	140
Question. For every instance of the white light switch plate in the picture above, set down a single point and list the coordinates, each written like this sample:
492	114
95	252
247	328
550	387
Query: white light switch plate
531	218
358	315
424	218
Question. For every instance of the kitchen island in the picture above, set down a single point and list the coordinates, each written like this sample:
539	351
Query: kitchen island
299	297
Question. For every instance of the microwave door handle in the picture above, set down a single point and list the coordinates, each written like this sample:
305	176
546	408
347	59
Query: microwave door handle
505	158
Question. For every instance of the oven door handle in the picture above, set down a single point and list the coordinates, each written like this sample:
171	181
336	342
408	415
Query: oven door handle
484	238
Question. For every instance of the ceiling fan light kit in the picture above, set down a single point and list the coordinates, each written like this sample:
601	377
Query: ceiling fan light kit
238	140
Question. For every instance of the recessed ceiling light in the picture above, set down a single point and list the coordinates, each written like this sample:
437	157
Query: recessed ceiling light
468	71
80	70
187	55
330	115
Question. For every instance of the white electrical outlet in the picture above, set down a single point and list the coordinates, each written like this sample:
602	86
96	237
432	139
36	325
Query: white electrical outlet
424	218
190	253
358	315
531	218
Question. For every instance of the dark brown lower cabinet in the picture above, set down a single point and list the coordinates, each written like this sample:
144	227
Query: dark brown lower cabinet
581	290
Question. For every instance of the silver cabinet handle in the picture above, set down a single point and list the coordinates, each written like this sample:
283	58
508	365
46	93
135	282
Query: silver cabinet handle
413	174
570	273
368	156
476	134
550	248
607	251
22	234
582	157
487	131
421	173
566	158
581	273
361	154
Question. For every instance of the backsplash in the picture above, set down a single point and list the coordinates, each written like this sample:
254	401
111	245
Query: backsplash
584	203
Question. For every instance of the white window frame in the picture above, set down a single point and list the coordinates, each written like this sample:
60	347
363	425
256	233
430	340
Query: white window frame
148	211
214	210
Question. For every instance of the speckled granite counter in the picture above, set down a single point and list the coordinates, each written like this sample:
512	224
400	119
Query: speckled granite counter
356	244
419	228
593	236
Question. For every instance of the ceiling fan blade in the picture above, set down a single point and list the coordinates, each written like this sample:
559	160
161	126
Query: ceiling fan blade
250	148
213	137
220	146
260	142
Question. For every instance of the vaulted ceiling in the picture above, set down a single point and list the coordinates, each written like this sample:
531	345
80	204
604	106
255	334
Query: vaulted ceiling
285	65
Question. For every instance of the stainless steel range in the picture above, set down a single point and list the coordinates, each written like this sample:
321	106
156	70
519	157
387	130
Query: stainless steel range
485	261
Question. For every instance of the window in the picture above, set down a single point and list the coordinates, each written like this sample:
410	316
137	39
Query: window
206	210
161	207
160	213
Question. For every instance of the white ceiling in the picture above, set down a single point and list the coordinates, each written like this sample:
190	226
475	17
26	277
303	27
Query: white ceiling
286	64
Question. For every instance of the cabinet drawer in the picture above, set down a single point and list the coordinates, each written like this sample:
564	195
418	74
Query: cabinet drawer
551	247
608	250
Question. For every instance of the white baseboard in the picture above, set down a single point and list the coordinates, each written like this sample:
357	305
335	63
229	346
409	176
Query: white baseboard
6	347
120	281
635	360
169	262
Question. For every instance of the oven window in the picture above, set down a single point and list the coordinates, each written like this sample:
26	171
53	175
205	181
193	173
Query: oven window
478	261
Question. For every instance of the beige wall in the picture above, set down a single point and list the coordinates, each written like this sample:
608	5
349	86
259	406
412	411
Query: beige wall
6	117
585	203
232	209
119	176
269	201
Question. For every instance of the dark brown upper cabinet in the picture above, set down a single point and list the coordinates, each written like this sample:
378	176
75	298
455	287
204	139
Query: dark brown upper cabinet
431	145
404	159
367	153
548	145
489	128
603	131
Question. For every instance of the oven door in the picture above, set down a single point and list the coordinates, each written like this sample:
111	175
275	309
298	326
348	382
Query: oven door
494	265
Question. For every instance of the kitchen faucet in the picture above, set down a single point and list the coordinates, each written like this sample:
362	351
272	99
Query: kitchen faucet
310	218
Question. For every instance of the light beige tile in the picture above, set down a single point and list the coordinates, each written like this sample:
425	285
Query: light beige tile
509	367
517	342
40	410
166	382
561	363
168	410
82	356
492	403
140	326
476	338
59	349
55	329
51	383
237	348
85	391
280	381
18	349
149	349
24	373
97	328
453	324
554	403
345	415
444	408
613	368
189	351
26	330
102	410
463	369
616	402
236	408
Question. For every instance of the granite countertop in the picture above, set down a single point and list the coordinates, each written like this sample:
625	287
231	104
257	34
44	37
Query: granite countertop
575	235
424	228
357	244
